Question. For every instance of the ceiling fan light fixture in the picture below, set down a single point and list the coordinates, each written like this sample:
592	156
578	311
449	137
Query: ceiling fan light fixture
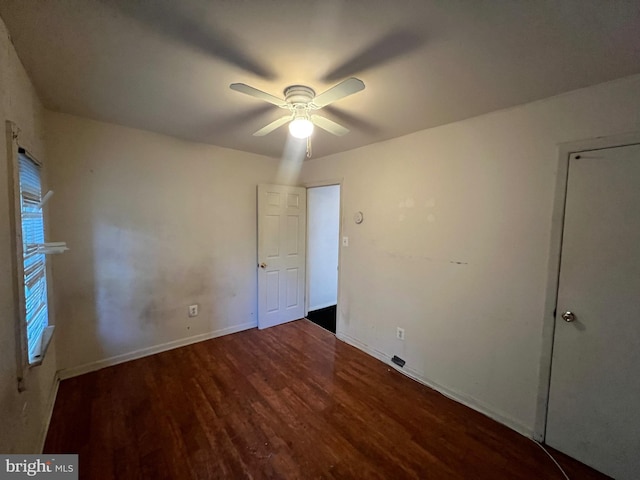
301	128
301	101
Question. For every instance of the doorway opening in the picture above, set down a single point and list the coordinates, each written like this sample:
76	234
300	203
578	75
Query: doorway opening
323	242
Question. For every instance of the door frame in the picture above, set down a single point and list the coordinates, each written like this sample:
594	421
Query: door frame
325	183
553	266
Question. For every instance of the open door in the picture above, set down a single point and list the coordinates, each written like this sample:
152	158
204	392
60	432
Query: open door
281	254
323	245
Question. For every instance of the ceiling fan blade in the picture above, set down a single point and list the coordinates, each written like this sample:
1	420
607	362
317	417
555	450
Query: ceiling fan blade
272	126
341	90
329	125
254	92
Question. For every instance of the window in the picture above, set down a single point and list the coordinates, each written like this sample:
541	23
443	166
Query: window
33	252
33	332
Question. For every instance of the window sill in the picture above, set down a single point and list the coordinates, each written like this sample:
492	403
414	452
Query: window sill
45	340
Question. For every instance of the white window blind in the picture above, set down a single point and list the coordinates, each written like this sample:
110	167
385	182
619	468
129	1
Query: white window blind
35	278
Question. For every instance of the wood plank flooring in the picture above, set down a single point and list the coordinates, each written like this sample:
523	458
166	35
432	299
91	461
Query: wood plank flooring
289	402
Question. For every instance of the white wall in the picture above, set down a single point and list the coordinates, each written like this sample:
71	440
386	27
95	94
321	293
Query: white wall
455	242
154	224
23	416
323	207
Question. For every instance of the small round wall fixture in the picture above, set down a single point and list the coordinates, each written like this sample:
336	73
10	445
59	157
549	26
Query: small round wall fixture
358	217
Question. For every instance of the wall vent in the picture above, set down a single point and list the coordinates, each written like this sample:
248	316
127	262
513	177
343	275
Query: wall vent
398	361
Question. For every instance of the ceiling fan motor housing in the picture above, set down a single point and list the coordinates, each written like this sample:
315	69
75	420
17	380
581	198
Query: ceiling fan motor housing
299	95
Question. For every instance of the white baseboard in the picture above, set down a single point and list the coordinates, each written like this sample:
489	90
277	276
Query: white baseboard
321	306
453	395
145	352
51	402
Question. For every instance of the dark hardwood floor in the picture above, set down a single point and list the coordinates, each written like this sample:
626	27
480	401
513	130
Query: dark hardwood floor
287	402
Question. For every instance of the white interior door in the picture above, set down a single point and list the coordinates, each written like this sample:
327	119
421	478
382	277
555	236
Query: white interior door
281	254
594	397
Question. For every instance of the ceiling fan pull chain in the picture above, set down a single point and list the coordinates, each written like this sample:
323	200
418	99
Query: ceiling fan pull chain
308	147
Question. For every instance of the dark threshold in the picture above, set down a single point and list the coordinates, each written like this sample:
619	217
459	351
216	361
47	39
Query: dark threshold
325	317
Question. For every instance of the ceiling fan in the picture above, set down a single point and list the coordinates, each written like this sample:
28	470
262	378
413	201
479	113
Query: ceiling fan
301	101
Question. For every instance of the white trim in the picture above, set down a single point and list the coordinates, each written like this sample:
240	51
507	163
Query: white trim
553	265
49	412
447	392
17	262
145	352
323	183
320	307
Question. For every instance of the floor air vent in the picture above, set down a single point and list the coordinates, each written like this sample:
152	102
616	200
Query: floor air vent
398	361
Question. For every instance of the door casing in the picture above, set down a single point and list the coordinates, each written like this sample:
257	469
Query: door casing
553	267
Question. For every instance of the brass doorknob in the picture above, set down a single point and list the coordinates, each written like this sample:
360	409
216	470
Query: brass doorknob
263	265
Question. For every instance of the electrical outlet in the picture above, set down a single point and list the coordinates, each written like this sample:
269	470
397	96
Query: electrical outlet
345	241
193	310
400	333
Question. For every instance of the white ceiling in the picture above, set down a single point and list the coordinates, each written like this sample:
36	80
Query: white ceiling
166	65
